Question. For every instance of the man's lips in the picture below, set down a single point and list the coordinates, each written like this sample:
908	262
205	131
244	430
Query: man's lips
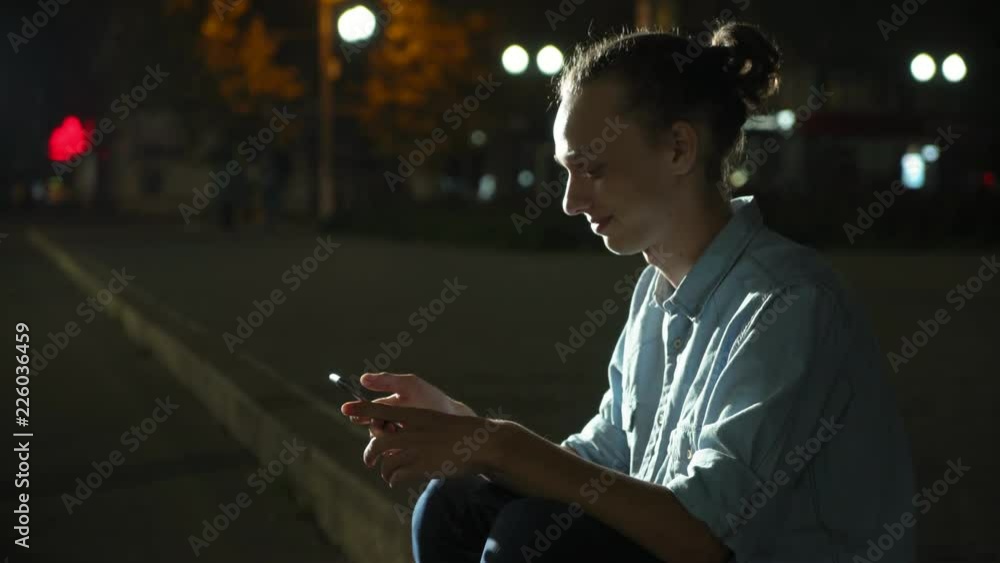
599	223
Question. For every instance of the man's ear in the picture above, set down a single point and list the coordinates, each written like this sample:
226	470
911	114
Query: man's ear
682	141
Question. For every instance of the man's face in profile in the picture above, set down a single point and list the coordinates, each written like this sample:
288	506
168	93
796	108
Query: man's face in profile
617	180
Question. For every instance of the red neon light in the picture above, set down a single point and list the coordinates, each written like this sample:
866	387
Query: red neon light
68	140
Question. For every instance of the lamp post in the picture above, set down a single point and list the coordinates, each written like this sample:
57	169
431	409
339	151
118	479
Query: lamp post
355	24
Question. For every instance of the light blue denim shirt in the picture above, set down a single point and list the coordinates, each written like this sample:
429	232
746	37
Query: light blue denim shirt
756	392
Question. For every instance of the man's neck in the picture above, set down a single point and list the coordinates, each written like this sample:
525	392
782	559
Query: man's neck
694	228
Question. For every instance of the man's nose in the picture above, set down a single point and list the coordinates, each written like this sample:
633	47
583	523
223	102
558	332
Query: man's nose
576	200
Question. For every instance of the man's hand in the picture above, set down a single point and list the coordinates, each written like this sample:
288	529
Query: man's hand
427	442
408	390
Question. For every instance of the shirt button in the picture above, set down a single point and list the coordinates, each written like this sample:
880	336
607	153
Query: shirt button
678	344
690	453
659	418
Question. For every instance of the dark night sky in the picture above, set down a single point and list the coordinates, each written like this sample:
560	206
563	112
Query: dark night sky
52	74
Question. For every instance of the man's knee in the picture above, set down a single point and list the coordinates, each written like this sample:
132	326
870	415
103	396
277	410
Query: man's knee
533	530
437	497
438	518
526	519
442	495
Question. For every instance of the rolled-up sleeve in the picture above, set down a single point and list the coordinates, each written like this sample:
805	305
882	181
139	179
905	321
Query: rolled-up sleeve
781	381
602	439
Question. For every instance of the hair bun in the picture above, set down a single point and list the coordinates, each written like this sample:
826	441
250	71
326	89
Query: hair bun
754	64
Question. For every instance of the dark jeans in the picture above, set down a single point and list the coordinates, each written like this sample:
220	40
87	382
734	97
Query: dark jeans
471	520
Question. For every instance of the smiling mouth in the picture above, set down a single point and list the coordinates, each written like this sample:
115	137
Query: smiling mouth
599	225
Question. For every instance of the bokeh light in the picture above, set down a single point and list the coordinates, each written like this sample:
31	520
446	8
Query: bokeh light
515	59
356	24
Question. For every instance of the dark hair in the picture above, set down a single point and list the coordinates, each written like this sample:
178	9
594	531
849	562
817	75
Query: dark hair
669	78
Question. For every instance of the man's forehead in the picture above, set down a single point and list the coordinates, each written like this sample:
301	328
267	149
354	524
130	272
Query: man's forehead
583	115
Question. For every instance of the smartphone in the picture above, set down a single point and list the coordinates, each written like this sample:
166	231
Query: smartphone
352	385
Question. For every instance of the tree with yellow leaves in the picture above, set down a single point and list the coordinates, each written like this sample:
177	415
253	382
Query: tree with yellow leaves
237	48
423	58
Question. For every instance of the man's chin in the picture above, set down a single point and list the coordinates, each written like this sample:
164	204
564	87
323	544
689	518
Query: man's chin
621	247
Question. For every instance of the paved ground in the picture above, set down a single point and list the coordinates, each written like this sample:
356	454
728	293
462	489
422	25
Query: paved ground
497	339
91	393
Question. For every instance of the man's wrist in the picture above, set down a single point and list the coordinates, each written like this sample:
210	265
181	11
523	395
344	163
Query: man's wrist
494	452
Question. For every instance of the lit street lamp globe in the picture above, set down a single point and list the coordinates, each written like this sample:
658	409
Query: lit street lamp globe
515	59
356	24
549	59
953	68
922	67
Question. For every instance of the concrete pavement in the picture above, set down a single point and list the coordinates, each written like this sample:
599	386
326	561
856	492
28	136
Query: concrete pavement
494	340
152	463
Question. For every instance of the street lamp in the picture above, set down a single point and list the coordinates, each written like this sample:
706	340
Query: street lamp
549	59
953	68
515	59
354	25
922	67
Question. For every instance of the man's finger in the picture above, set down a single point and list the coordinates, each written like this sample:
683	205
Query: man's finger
379	445
389	382
394	462
384	412
390	400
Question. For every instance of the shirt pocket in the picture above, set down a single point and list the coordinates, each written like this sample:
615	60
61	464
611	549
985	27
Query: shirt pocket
629	408
680	449
633	411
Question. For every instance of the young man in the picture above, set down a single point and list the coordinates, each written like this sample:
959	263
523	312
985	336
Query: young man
747	418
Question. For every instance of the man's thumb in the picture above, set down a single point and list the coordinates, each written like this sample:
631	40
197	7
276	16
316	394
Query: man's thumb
388	382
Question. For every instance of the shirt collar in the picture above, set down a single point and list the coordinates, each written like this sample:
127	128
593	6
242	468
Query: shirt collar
712	266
